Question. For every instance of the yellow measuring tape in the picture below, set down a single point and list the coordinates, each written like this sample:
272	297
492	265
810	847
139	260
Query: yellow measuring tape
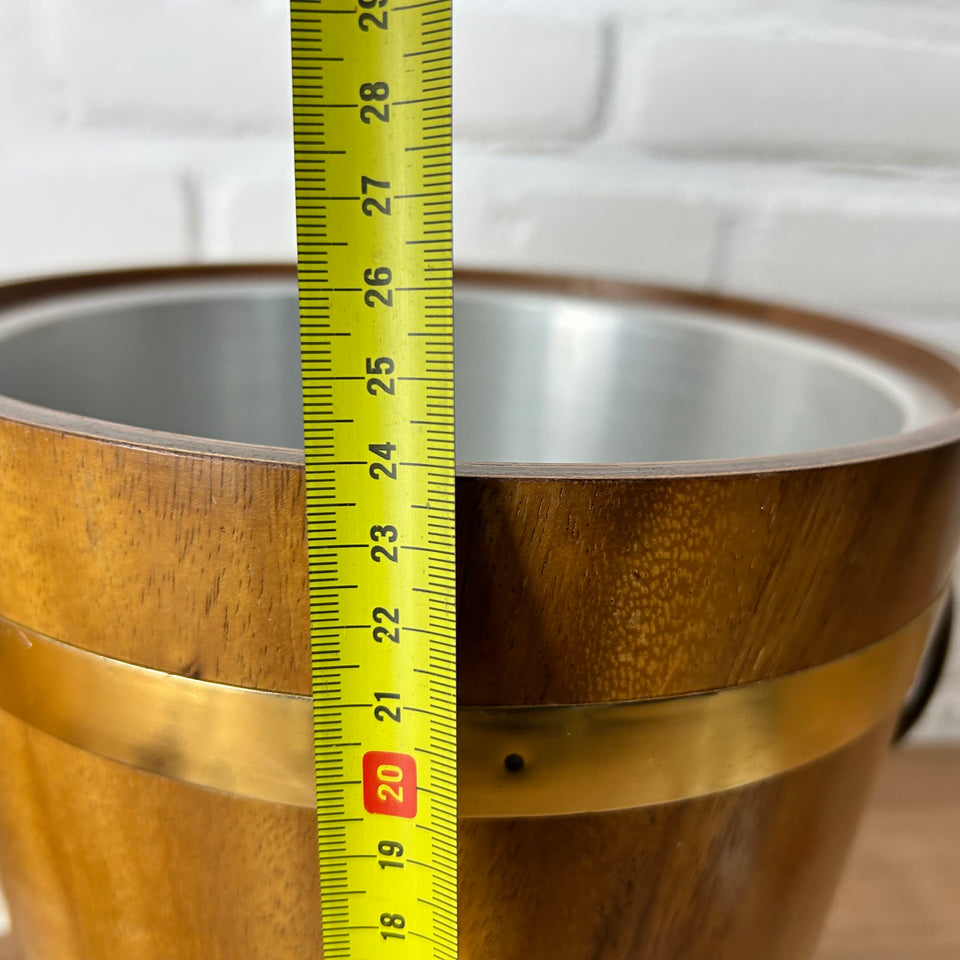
372	135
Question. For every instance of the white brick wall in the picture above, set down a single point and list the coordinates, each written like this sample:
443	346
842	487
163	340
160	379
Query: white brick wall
806	150
561	76
753	93
181	67
249	210
57	218
29	101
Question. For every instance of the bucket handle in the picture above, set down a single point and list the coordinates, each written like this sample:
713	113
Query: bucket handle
929	672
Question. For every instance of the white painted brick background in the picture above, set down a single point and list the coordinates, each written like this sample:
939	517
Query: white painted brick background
803	150
750	93
560	75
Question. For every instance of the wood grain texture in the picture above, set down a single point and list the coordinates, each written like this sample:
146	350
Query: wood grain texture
570	591
898	895
745	875
102	861
191	564
110	862
582	591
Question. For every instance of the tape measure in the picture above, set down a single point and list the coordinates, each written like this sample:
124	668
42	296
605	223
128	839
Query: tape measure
372	144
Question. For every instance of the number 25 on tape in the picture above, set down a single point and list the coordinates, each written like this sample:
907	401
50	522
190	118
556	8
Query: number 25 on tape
390	783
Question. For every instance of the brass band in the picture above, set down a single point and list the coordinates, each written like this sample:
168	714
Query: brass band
563	759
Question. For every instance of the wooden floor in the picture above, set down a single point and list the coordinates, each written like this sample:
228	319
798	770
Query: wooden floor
900	897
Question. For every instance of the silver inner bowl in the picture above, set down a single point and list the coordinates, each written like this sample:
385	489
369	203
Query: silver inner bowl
539	378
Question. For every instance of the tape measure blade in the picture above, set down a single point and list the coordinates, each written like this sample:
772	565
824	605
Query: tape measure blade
372	143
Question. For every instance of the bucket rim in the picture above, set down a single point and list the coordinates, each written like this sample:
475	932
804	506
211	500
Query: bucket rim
935	367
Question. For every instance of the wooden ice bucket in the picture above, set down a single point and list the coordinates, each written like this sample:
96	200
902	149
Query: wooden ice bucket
659	495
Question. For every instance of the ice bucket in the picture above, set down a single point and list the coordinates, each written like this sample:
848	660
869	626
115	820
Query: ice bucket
701	543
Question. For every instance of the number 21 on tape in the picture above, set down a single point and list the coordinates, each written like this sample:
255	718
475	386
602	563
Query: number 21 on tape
390	783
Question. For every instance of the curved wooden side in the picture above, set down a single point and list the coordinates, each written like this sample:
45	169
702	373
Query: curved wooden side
570	591
744	875
101	861
609	590
192	564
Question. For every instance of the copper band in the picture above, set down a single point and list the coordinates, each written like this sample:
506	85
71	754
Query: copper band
575	758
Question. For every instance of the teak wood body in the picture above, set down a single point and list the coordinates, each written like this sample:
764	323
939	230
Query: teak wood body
571	590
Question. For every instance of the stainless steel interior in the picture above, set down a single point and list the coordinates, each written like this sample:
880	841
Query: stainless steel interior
540	378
